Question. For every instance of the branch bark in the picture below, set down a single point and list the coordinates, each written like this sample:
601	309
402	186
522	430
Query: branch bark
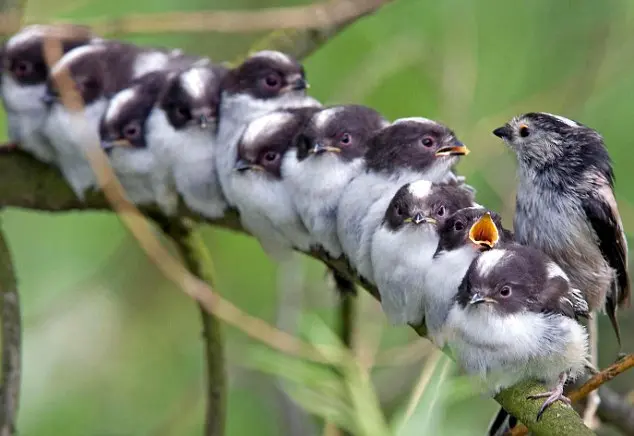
11	348
188	243
28	184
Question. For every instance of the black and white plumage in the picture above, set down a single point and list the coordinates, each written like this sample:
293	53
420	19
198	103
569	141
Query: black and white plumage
405	151
99	70
328	156
404	244
462	237
260	194
23	83
181	133
264	82
124	136
566	205
515	318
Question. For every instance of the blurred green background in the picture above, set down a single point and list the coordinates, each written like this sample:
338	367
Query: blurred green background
110	348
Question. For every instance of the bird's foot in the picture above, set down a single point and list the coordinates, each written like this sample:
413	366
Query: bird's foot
557	394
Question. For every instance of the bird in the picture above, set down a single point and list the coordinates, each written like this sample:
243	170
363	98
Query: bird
181	133
515	318
565	206
405	241
23	83
328	155
260	195
98	70
407	150
124	136
462	236
266	81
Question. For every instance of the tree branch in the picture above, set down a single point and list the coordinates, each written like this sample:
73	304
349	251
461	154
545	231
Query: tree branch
11	348
317	16
26	183
195	256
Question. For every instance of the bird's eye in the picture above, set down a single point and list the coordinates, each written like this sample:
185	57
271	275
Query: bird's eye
181	112
345	139
458	226
270	156
398	211
505	291
524	132
427	141
23	68
132	131
441	211
272	81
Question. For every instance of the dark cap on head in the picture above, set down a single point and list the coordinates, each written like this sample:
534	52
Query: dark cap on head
423	202
414	144
343	130
266	74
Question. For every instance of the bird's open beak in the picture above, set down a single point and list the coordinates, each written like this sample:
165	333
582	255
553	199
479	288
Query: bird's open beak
484	233
321	148
457	148
478	298
242	165
419	218
503	132
108	146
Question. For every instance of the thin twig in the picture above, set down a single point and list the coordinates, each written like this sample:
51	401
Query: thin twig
602	377
314	16
11	343
198	261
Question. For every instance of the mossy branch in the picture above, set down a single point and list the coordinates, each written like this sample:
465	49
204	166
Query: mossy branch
28	184
11	347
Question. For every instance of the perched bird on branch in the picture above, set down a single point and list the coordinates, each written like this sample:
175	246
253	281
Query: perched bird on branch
462	237
405	242
265	207
182	135
23	82
405	151
125	137
328	155
515	318
566	207
264	82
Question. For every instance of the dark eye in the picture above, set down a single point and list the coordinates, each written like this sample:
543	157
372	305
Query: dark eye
270	156
524	131
181	112
345	139
23	68
398	211
427	141
441	211
132	131
505	291
272	81
458	225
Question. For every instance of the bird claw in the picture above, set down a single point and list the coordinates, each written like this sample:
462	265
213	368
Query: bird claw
553	396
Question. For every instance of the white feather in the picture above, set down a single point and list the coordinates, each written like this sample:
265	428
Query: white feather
562	119
195	81
149	61
315	186
400	261
489	260
273	55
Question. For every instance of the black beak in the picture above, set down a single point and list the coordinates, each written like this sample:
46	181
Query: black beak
242	165
503	132
476	299
418	218
107	147
49	99
299	84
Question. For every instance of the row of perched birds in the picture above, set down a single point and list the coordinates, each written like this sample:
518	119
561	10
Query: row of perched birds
343	178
